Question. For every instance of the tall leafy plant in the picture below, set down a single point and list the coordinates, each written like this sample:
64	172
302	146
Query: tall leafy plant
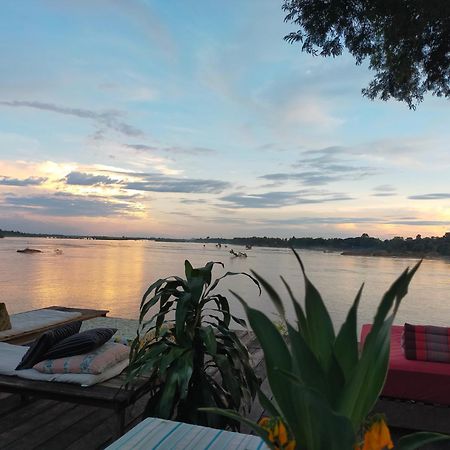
324	389
189	351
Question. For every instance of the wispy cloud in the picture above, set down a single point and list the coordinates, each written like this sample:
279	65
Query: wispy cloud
161	183
171	149
323	166
433	196
87	179
68	205
148	182
30	181
278	199
102	120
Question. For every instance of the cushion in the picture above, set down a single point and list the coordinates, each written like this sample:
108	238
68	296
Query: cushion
424	381
95	362
426	343
10	355
80	343
43	343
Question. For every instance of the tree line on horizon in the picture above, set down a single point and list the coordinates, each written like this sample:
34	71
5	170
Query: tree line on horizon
364	244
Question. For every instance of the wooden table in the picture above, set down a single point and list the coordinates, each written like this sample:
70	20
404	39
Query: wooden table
155	433
29	336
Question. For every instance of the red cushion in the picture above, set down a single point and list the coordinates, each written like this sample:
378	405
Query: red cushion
413	380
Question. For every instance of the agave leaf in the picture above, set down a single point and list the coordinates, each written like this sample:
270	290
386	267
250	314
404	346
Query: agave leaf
188	269
306	364
361	392
269	406
346	344
301	318
276	356
272	294
320	327
316	426
418	440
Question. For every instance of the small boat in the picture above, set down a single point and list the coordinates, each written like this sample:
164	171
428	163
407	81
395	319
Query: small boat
29	250
58	251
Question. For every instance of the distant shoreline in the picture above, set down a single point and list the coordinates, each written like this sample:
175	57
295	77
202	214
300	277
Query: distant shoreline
398	247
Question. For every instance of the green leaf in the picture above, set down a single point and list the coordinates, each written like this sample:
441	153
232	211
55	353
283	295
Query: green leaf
272	294
418	440
346	344
209	339
231	274
320	327
306	364
362	391
301	318
276	355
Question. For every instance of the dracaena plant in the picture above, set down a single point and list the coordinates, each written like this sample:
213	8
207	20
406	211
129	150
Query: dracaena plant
189	351
323	387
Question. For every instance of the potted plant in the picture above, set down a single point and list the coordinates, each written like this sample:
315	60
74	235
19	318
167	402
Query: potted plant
189	351
323	387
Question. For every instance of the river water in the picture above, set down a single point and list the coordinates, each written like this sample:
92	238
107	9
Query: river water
113	275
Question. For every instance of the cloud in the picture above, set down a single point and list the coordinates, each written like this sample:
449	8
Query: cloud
68	205
87	179
103	120
433	196
171	149
30	181
307	178
356	220
385	188
161	183
188	201
323	166
278	199
148	182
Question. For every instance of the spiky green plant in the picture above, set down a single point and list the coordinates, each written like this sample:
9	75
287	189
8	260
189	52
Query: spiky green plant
194	360
324	389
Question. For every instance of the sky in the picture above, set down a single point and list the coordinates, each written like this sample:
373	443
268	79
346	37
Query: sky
195	118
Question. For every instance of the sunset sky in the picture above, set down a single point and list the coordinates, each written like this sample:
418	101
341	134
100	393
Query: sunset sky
188	118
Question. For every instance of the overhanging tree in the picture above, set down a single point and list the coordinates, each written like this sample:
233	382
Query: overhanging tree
406	42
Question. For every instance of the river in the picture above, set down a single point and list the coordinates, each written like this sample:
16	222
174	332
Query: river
113	275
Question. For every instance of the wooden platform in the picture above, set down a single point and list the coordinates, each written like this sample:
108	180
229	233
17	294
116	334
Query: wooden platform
32	423
50	424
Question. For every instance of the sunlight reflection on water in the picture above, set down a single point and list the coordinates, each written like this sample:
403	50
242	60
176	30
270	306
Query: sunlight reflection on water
114	274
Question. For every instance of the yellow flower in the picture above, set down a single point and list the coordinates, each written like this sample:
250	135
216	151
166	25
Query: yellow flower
377	437
277	433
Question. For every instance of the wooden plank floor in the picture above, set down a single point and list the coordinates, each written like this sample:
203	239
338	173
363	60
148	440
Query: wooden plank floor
52	425
49	424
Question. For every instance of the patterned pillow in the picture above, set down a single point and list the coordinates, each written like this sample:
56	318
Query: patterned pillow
80	343
43	343
94	363
426	343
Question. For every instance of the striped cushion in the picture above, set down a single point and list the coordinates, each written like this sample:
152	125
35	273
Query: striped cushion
95	362
80	343
426	343
43	343
159	434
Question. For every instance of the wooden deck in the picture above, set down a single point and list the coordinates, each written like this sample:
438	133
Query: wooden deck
27	423
51	424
